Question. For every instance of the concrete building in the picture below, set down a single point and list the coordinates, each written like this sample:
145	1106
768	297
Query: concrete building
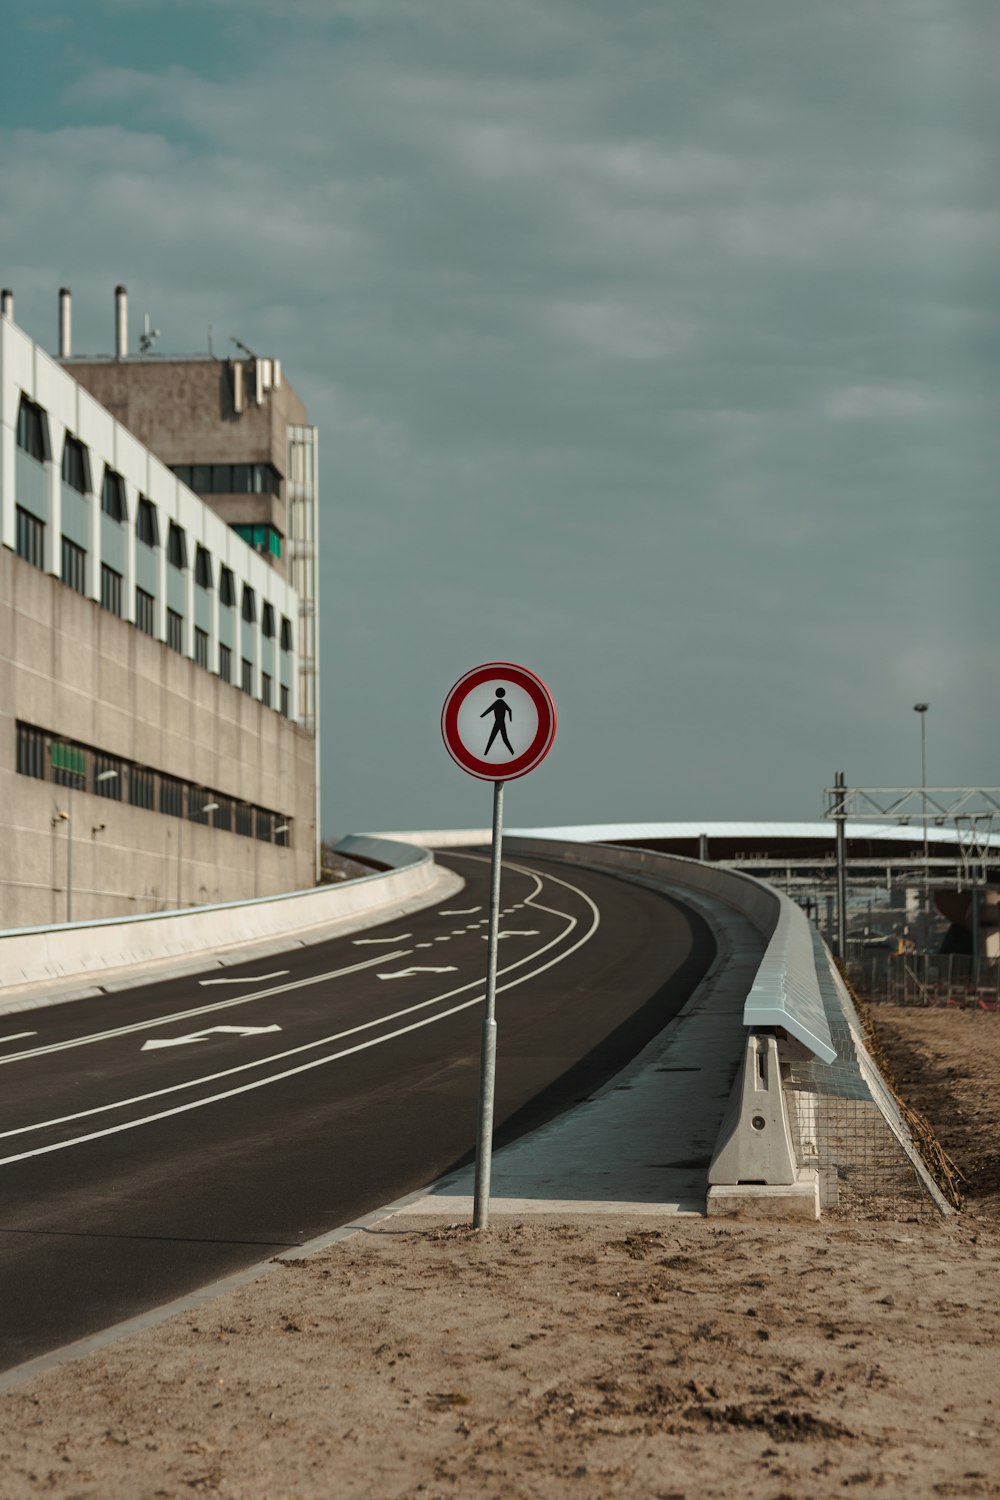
154	748
234	431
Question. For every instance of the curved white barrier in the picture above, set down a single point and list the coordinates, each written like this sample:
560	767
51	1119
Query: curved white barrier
93	951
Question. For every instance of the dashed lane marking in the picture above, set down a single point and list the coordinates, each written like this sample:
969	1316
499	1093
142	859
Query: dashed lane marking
323	1041
199	1010
248	978
408	973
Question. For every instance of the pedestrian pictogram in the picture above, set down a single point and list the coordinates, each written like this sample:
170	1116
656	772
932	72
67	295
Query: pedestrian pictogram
499	721
500	711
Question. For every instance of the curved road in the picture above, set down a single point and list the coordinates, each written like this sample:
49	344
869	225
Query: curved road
157	1138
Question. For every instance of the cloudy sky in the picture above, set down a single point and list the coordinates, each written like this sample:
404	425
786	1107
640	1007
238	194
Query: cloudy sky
653	344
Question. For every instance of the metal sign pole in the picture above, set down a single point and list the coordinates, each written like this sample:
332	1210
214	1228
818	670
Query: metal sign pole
840	816
488	1053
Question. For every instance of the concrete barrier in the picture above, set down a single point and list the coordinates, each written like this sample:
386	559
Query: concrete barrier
40	965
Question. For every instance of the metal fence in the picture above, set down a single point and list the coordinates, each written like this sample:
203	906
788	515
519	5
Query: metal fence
953	979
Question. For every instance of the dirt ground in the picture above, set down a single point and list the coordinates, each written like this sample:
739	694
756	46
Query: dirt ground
657	1357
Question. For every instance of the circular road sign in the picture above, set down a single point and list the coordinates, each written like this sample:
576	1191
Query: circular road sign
498	721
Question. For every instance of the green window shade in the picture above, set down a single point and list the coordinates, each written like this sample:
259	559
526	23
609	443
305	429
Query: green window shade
68	758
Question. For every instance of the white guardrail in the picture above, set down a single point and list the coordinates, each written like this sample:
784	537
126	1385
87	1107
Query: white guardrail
88	952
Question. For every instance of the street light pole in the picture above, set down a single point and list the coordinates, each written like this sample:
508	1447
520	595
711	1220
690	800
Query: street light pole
209	807
921	709
103	776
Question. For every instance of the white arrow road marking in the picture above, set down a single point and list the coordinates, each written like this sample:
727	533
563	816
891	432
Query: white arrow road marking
464	911
200	1036
532	933
17	1036
360	942
406	973
248	978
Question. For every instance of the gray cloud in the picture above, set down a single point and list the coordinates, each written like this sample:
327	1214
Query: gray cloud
654	345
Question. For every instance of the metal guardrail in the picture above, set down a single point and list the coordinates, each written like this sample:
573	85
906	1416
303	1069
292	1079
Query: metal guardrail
785	992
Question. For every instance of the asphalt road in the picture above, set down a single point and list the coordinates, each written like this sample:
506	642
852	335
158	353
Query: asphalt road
155	1139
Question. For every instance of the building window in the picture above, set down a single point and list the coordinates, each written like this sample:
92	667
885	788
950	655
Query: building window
201	647
113	773
113	496
175	630
267	622
30	543
230	479
227	587
203	568
246	682
171	796
111	589
249	604
263	539
177	546
30	751
286	634
147	527
264	824
225	664
74	566
284	702
69	764
265	690
244	819
144	607
76	465
282	834
140	788
33	430
224	813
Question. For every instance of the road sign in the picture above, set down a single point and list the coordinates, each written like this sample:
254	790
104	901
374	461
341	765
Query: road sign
498	721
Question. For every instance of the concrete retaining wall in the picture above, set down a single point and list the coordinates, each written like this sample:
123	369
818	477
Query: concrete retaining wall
57	957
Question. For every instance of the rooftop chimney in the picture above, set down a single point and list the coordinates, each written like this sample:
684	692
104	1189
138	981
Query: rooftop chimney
121	323
65	323
7	304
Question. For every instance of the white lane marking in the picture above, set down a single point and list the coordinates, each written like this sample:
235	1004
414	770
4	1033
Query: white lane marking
459	911
201	1036
483	938
422	945
457	931
16	1037
361	942
408	973
442	940
321	1042
201	1010
248	978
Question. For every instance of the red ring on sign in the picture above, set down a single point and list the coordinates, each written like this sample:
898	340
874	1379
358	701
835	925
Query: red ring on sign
540	746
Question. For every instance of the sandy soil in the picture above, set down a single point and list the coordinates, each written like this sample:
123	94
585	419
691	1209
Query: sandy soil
947	1065
661	1358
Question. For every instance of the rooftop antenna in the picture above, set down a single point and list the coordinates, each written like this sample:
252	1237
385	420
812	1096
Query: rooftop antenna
148	336
210	349
242	346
